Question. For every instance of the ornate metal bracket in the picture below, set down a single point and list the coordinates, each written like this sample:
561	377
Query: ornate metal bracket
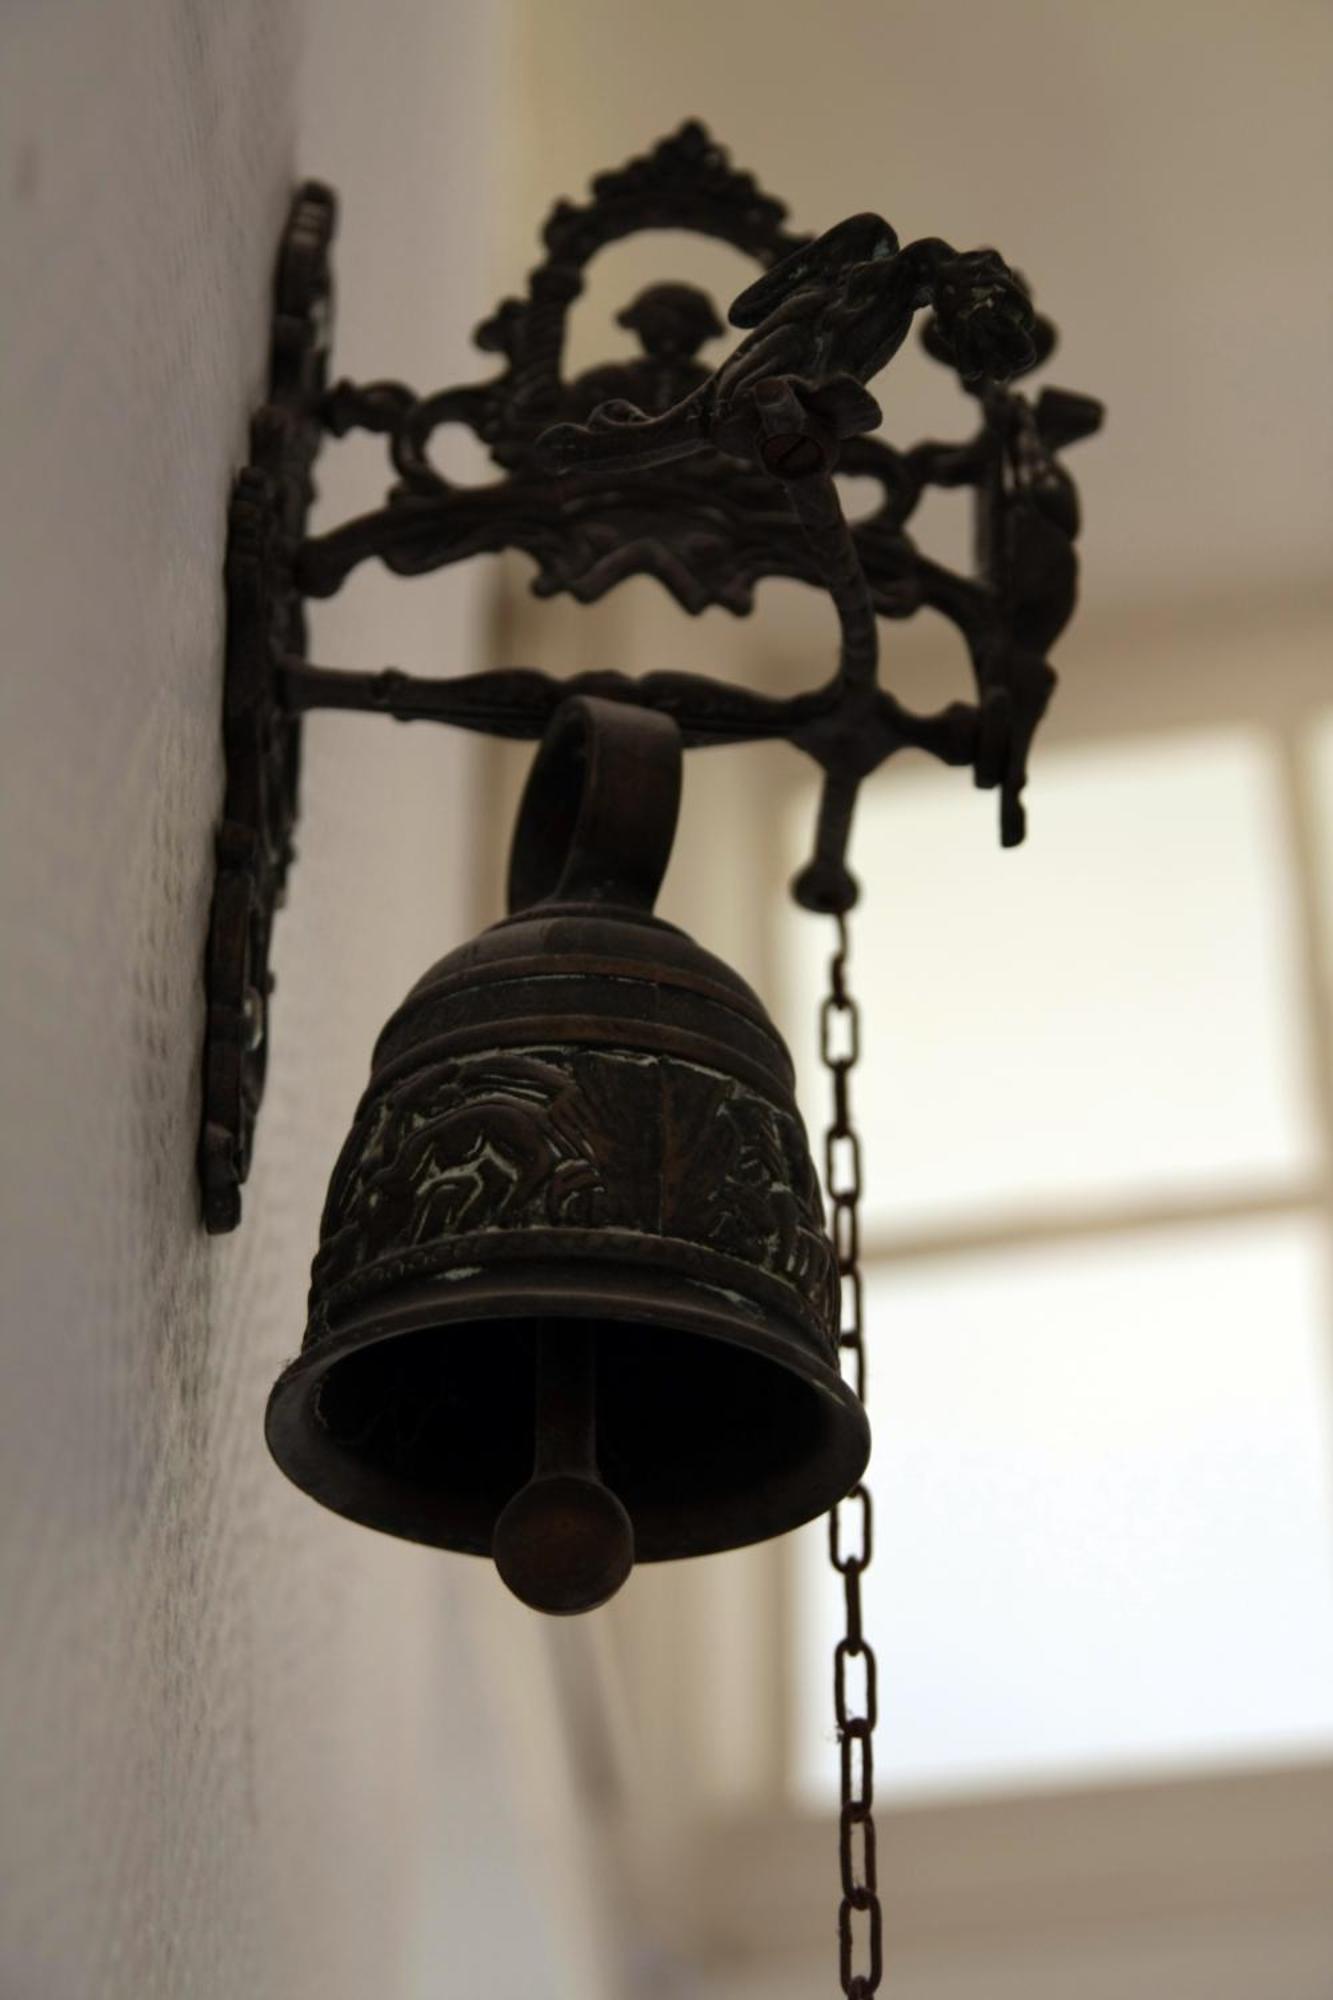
707	480
261	733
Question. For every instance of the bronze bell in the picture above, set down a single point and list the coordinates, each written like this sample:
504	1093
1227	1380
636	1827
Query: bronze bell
574	1304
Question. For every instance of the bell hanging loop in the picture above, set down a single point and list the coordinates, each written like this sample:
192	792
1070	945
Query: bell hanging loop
598	817
574	1305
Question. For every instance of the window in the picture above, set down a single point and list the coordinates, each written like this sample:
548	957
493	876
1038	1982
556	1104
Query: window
1095	1106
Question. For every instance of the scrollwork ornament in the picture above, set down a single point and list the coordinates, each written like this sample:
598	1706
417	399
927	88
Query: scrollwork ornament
708	477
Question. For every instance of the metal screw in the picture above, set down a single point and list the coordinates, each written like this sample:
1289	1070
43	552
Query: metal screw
252	1014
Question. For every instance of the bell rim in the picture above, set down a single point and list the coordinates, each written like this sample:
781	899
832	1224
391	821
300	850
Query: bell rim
312	1459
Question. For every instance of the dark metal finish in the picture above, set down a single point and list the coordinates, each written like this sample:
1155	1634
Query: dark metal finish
564	1543
261	731
579	1118
709	481
855	1667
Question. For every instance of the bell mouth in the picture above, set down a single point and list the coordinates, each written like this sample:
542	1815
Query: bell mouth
417	1416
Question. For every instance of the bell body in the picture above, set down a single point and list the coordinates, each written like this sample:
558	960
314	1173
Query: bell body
579	1119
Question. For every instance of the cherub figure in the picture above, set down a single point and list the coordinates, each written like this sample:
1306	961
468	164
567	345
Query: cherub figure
825	319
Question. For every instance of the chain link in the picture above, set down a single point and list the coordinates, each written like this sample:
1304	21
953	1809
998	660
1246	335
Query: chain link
852	1523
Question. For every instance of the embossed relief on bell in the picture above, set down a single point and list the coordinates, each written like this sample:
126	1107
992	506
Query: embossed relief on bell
572	1140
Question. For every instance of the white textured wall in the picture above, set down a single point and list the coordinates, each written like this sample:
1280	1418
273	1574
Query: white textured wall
247	1751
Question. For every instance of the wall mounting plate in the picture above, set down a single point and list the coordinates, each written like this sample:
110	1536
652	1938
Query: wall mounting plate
266	526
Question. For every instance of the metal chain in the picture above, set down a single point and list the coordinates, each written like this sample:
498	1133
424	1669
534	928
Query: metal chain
851	1524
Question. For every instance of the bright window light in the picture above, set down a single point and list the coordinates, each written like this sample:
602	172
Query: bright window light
1104	1516
1103	1014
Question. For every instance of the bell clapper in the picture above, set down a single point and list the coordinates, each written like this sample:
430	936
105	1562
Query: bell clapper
564	1543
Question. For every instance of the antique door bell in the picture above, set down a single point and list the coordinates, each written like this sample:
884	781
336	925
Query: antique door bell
574	1304
577	1200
